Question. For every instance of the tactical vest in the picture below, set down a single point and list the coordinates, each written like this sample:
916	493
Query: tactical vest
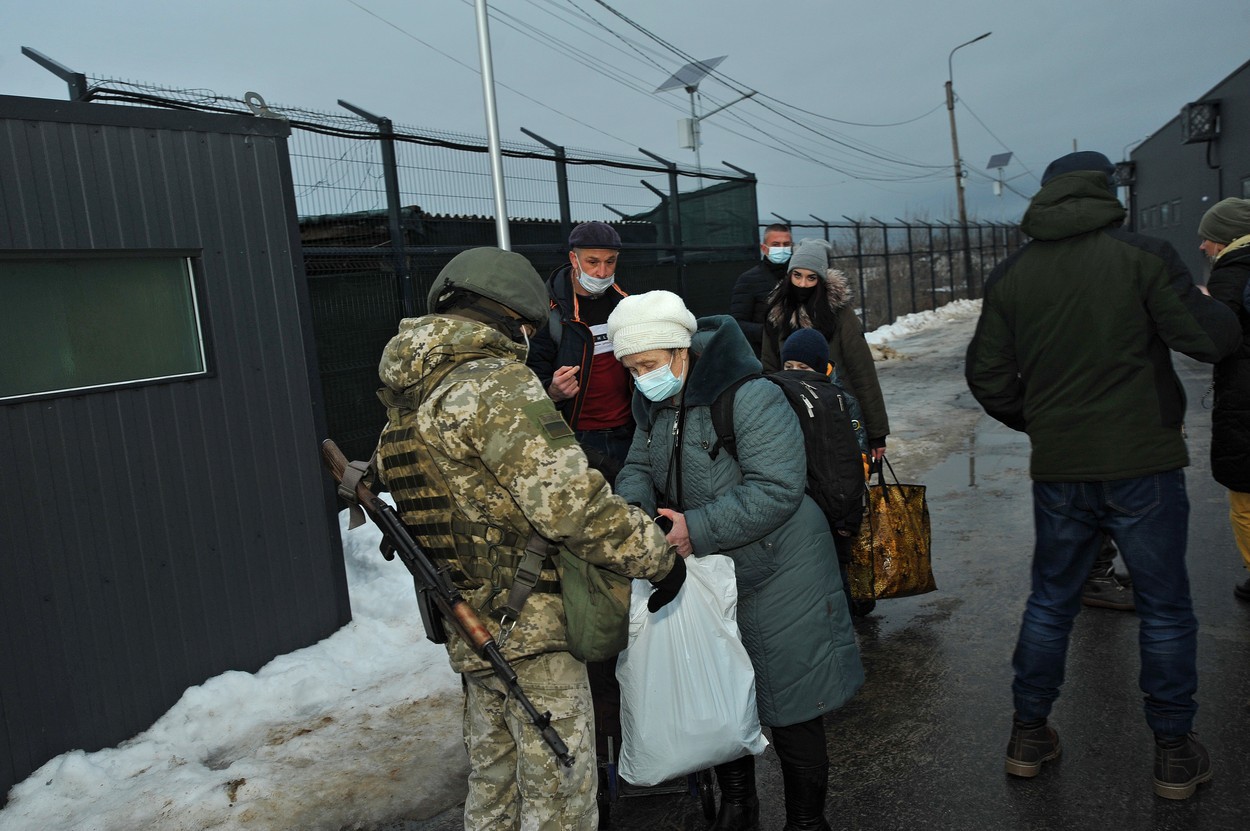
474	554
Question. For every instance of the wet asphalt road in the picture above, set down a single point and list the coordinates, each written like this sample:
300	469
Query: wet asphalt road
922	745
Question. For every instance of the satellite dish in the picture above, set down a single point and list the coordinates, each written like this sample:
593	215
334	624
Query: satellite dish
690	75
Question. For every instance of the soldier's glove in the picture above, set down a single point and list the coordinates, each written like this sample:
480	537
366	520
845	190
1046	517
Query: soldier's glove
667	587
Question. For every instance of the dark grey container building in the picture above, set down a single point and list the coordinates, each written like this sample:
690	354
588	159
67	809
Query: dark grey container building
164	515
1198	158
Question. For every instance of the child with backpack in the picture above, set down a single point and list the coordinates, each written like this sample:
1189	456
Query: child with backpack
837	449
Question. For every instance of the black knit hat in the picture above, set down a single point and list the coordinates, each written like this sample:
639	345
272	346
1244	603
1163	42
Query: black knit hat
807	346
1081	160
595	235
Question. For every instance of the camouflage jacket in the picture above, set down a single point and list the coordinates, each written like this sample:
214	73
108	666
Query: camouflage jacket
510	462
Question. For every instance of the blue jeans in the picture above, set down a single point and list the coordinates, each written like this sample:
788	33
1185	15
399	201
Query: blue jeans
1148	517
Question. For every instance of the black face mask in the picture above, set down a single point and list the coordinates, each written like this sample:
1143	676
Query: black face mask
803	293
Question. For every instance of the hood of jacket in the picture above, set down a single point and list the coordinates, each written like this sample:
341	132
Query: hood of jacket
560	287
1071	205
427	344
837	293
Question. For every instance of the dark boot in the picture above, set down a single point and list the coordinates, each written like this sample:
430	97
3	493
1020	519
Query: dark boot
805	797
1181	765
739	806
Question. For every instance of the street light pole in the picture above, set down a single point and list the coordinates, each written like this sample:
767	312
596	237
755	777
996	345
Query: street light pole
959	184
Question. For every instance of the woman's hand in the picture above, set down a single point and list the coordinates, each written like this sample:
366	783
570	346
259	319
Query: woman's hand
679	536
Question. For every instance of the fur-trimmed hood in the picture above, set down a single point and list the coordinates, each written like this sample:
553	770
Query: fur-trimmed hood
837	292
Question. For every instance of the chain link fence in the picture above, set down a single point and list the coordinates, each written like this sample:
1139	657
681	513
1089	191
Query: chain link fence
382	208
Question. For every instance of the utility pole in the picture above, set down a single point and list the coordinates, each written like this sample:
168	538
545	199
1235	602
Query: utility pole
959	179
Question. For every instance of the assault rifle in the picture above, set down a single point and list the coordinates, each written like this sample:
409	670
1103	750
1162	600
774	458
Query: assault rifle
435	585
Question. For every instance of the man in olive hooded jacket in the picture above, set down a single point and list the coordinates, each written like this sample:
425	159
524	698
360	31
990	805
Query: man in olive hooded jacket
1073	348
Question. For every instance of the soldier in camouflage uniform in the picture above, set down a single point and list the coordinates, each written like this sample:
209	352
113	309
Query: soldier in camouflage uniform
481	465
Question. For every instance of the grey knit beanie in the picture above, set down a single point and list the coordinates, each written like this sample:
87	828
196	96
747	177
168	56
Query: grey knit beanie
812	254
1225	221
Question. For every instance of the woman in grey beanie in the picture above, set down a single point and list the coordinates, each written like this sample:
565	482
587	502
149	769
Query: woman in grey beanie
814	295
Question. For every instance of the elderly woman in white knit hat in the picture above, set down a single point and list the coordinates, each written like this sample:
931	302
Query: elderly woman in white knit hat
1225	234
792	612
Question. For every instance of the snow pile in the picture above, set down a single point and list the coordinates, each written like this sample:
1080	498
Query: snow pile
324	737
907	324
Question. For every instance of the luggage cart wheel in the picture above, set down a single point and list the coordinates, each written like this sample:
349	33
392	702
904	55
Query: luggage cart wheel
707	797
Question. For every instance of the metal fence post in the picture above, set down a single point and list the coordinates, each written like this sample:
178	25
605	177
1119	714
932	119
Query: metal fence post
933	304
823	224
911	264
859	266
674	215
889	288
950	260
980	259
562	182
76	81
755	205
390	176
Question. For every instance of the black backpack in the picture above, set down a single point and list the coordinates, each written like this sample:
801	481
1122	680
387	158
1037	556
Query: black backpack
835	468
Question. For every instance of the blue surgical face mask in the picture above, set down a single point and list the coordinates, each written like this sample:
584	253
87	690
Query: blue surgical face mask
594	285
659	384
779	254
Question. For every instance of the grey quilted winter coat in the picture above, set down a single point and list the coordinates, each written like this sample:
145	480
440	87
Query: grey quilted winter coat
791	608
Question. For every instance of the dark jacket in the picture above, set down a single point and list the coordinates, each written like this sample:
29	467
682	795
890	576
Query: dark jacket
848	352
792	612
1072	344
576	347
749	302
1230	418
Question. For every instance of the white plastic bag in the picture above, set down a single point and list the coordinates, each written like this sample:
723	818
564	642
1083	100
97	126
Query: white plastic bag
687	686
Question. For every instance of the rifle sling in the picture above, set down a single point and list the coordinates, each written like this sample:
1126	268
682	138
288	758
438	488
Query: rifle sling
352	474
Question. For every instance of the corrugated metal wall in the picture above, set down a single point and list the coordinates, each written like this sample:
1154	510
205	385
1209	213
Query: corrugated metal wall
152	537
1178	182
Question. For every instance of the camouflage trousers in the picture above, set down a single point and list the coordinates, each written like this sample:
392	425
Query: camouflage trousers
515	781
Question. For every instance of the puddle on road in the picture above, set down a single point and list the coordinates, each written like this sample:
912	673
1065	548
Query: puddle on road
991	450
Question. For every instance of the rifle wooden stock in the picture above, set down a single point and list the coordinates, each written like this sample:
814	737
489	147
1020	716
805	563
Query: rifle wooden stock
451	604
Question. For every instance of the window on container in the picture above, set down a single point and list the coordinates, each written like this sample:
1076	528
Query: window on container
1144	218
1165	213
88	320
1245	188
1176	212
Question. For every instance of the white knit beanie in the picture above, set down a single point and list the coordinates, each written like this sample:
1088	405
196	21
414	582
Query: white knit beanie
653	320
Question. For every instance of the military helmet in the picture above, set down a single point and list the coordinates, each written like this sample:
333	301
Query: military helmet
503	276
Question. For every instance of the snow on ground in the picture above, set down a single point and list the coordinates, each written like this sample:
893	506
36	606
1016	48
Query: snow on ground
364	727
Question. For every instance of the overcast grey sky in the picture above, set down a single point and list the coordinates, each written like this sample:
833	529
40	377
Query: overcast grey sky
1102	73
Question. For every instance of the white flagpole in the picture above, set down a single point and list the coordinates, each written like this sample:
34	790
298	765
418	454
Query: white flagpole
492	125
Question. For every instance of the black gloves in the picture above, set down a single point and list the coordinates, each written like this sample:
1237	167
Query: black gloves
667	587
